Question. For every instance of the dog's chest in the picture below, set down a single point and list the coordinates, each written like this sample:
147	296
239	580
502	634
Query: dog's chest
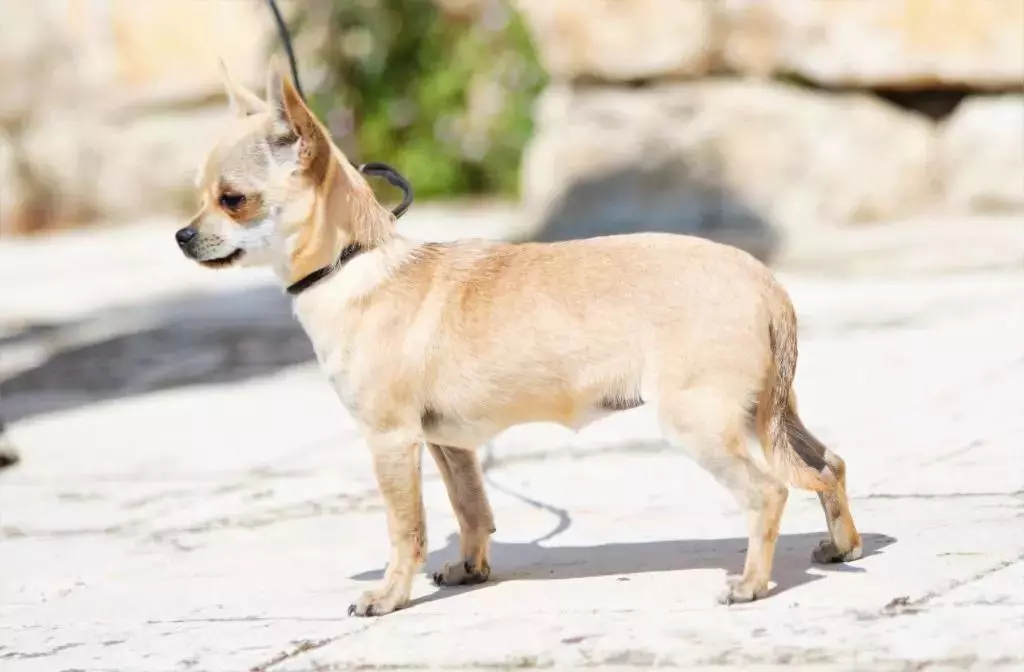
337	355
341	366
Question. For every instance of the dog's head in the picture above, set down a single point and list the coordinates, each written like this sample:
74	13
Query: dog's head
275	190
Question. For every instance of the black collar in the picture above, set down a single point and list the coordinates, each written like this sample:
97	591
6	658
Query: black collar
348	254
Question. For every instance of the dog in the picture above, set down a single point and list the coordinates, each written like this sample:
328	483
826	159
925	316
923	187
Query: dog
450	343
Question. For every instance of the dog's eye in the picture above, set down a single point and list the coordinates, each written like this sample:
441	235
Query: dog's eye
232	201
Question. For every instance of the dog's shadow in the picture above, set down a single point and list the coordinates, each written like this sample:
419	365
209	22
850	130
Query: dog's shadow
532	562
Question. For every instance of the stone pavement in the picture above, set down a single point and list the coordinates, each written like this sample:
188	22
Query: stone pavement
192	497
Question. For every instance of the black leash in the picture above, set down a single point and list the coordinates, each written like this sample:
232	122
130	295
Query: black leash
374	168
286	38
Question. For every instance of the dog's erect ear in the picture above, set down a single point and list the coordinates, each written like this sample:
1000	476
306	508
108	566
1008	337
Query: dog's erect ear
243	102
294	121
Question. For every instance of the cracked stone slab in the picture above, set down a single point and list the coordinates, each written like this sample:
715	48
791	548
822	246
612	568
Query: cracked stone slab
245	595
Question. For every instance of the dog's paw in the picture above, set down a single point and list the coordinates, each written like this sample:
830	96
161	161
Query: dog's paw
826	553
740	591
376	603
462	574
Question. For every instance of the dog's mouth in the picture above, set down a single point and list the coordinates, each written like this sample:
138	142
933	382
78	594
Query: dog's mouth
221	262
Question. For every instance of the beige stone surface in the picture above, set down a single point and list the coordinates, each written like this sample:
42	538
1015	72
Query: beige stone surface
879	43
150	52
982	155
31	39
58	56
749	159
123	168
108	104
613	40
192	497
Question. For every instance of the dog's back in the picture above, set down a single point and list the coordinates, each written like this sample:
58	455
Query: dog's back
563	331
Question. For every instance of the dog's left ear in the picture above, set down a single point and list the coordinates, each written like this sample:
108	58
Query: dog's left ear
242	101
295	122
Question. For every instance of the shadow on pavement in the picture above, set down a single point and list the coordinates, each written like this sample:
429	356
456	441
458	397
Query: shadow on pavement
532	562
161	344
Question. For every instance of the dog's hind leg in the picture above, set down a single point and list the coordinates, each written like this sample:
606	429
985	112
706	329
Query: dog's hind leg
396	463
844	542
709	425
460	469
786	451
794	454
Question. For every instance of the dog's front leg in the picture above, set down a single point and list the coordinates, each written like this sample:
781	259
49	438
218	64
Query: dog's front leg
464	481
397	467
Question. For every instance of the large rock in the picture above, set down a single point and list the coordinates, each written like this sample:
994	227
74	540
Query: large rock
157	52
121	169
982	155
744	161
33	46
879	43
622	40
107	107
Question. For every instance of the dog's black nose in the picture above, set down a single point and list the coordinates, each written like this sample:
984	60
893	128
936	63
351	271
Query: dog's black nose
183	236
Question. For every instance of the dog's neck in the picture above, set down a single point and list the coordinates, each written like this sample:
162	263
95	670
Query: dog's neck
346	221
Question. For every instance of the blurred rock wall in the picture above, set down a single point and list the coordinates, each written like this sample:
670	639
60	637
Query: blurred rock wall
108	105
742	119
746	119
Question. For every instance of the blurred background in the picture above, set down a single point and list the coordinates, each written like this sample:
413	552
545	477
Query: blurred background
870	151
760	118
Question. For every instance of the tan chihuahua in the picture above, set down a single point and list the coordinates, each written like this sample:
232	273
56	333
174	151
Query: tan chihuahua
449	344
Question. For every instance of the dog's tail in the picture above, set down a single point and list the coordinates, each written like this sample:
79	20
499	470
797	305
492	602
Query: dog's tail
793	454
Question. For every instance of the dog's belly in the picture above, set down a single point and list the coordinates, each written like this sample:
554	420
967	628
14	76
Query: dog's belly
467	435
472	433
587	416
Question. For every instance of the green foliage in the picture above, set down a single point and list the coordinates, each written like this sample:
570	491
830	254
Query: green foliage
446	99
